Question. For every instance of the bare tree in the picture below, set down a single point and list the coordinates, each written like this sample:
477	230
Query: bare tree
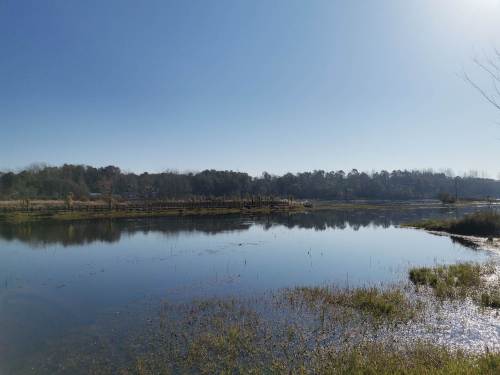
490	67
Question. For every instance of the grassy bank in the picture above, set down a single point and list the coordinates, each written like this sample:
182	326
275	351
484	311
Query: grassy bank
25	211
74	215
483	224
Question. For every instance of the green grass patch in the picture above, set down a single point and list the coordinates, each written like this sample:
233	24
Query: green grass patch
448	281
458	281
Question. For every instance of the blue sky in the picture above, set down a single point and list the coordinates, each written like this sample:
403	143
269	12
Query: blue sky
263	85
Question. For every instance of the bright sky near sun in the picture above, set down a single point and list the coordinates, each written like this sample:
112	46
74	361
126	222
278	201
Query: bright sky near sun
247	85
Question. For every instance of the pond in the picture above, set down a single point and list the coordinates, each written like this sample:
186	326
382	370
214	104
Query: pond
58	278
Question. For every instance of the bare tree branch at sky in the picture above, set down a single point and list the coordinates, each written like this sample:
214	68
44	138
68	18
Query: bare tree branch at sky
490	67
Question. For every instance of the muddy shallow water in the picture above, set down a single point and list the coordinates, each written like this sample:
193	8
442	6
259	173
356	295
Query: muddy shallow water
66	284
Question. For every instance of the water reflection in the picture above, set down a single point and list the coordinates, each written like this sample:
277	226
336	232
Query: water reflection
125	265
41	234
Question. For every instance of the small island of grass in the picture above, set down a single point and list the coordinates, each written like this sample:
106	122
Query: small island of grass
459	281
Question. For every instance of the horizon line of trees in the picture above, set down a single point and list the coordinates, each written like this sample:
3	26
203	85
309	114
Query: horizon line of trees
84	182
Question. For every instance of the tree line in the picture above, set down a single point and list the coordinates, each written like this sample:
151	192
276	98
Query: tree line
83	182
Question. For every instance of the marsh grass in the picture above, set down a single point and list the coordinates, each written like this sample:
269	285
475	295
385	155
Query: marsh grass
233	336
419	358
466	242
482	224
391	304
460	280
366	358
242	342
450	281
491	299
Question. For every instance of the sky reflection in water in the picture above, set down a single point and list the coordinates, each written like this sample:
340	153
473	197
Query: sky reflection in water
54	276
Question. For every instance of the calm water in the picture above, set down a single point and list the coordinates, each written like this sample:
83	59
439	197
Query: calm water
56	277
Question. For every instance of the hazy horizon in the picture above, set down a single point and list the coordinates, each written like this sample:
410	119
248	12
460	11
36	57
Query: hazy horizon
255	86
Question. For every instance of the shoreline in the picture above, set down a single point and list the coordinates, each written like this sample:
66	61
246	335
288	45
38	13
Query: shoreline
55	211
491	244
19	217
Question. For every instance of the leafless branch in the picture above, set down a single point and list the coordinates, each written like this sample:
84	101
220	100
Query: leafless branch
491	67
490	98
493	75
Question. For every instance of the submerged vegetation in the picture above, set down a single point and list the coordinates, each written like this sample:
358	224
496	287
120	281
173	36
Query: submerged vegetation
233	336
380	304
483	224
237	350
